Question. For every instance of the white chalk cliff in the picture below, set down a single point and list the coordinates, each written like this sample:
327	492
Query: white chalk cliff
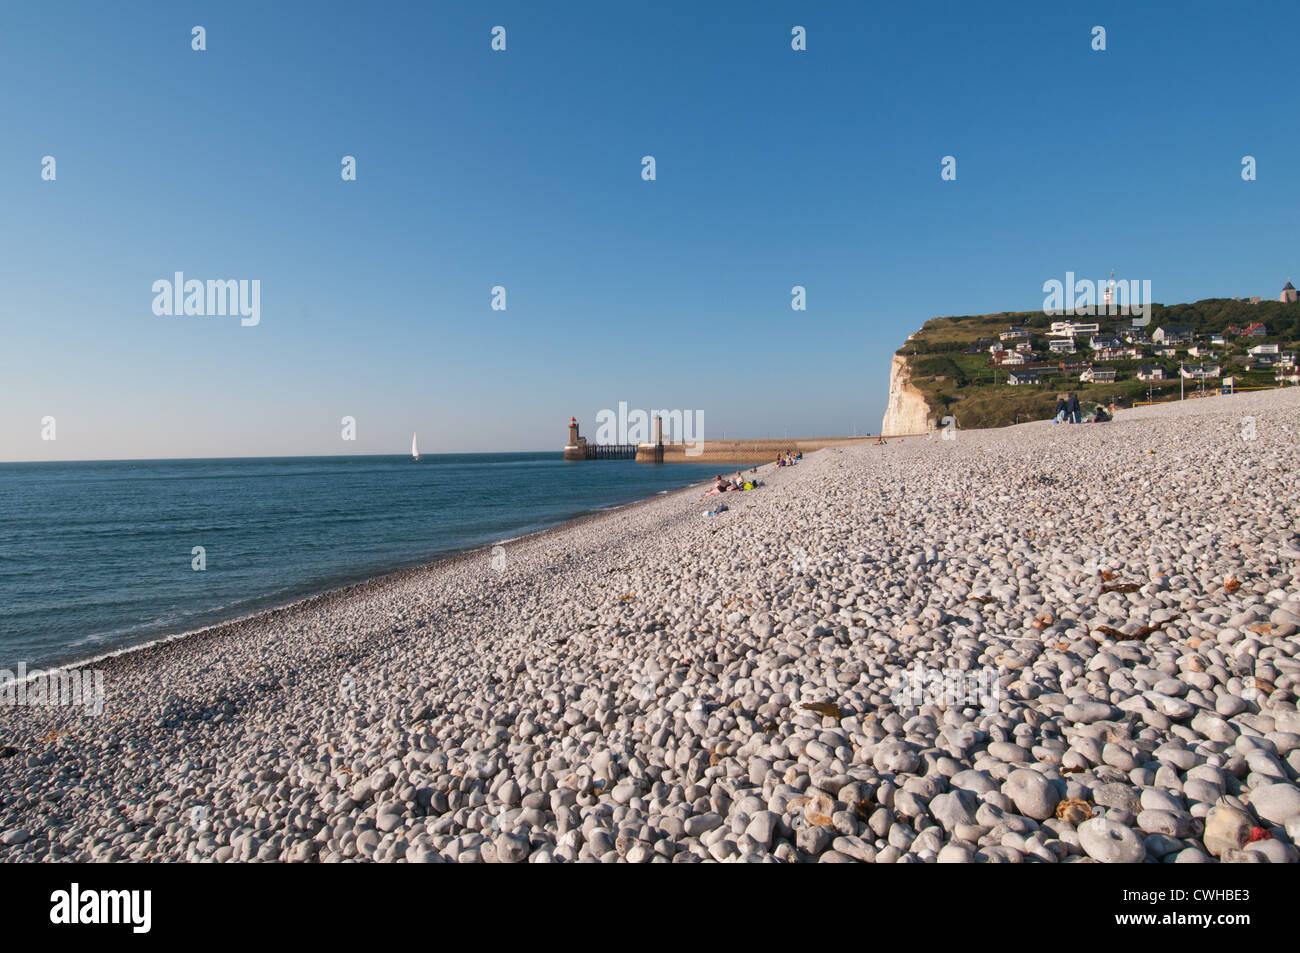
907	411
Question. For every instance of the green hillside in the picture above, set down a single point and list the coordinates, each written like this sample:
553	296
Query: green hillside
972	389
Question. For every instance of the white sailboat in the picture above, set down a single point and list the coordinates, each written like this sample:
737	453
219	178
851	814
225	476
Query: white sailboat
415	450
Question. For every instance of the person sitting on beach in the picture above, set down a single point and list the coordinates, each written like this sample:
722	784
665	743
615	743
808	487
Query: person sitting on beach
880	440
799	456
1100	417
719	485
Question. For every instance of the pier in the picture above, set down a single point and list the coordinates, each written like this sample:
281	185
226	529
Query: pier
579	448
700	451
607	451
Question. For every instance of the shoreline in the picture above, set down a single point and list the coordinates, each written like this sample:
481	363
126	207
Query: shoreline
321	599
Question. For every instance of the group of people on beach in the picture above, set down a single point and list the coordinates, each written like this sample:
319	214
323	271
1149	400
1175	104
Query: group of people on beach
1068	411
738	482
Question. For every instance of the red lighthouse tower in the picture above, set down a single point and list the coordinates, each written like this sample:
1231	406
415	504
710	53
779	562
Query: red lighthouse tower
576	448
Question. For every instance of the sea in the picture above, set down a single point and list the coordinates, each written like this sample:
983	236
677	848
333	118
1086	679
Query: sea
98	557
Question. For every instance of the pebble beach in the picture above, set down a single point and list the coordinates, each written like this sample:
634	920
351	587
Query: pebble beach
1040	644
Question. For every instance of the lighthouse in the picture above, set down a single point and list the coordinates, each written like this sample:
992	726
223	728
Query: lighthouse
652	452
576	448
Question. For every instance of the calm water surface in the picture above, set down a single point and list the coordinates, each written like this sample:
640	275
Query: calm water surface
96	556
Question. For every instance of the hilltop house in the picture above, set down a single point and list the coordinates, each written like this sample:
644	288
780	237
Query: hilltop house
1200	350
1165	351
1151	372
1199	372
1135	336
1070	368
1119	353
1013	334
1286	359
1217	339
1288	294
1173	334
1022	377
1061	345
1097	375
1023	347
1014	357
1259	349
1255	330
1100	341
1071	328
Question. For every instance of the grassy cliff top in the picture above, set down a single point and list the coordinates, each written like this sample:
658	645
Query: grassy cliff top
969	387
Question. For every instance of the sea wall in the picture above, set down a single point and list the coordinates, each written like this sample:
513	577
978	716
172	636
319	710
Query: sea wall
750	451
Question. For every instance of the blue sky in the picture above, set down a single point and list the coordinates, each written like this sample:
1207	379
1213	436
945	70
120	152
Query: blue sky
523	169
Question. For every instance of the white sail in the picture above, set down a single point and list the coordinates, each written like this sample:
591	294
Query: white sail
415	450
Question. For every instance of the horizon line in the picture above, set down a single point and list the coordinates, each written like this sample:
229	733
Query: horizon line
283	456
